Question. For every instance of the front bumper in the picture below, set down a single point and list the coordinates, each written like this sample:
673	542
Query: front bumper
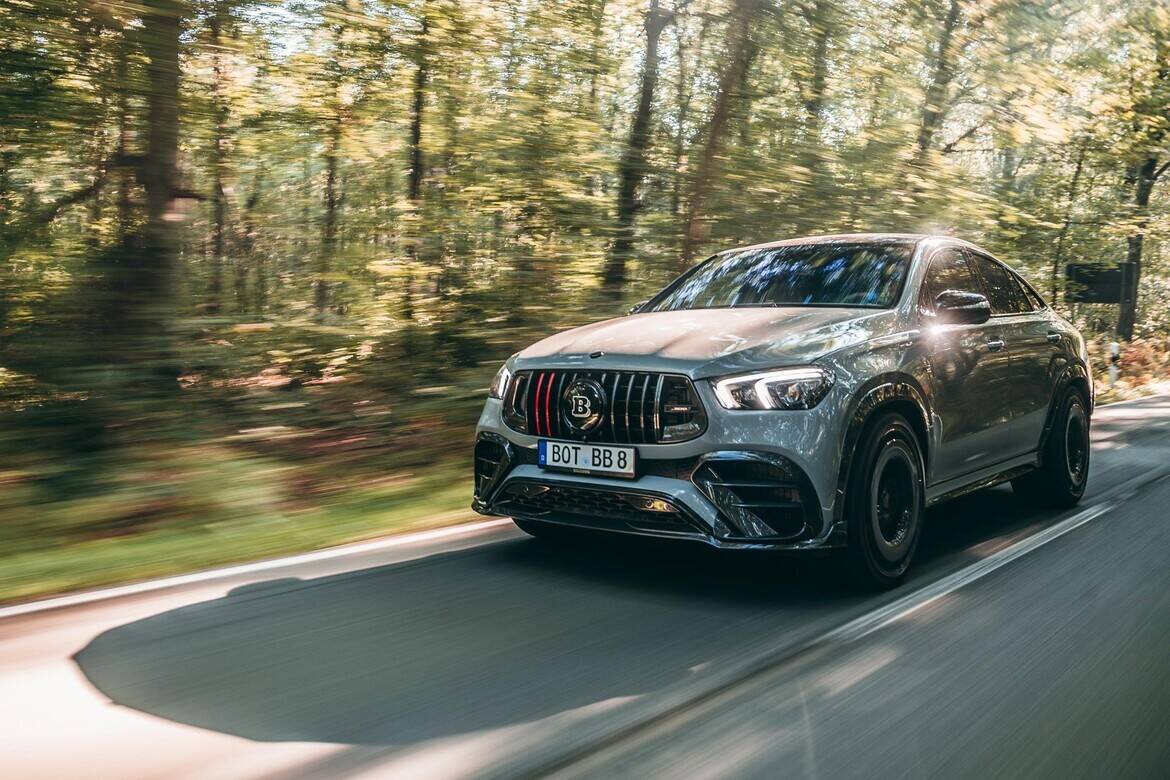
727	498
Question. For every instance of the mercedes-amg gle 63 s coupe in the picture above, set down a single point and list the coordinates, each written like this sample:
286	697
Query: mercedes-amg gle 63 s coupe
807	394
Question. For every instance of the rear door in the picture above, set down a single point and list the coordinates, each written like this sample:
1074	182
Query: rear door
1025	331
969	375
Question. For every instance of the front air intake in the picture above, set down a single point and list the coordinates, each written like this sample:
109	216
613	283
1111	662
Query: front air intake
493	459
760	496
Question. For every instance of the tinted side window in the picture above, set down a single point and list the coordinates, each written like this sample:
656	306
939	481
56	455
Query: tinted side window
1033	296
1002	290
948	271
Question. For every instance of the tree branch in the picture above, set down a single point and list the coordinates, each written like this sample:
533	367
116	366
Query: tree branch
186	194
51	212
1161	170
950	147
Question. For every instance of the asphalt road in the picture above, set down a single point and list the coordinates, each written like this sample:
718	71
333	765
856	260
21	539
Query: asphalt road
489	654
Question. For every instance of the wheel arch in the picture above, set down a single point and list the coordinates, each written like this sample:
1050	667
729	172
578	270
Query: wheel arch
889	393
1075	376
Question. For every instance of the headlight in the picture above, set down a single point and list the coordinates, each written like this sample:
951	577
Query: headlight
785	388
500	383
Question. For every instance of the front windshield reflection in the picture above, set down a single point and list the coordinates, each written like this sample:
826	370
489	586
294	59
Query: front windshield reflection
823	274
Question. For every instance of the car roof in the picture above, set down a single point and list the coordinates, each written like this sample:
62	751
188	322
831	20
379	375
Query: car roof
852	238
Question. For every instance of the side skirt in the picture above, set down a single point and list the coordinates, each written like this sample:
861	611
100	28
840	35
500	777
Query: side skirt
994	475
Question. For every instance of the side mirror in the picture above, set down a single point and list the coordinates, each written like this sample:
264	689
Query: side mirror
637	307
956	307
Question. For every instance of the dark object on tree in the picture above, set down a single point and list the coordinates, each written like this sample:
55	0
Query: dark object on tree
1096	283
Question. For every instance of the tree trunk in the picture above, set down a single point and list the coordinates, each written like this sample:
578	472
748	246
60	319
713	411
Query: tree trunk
248	248
683	96
935	104
417	104
1058	256
1143	187
414	185
738	52
329	229
812	159
7	158
814	102
632	168
122	76
219	141
101	154
150	273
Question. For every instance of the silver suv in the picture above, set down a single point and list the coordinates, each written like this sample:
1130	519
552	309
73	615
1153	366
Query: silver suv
804	394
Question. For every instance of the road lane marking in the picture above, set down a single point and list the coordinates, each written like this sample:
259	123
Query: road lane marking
1161	396
208	575
923	597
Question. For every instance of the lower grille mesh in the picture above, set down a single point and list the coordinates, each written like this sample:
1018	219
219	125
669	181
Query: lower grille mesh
597	508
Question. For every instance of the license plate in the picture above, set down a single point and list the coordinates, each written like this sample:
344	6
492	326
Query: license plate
587	458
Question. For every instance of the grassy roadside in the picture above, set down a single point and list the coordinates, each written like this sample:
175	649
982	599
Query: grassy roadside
356	515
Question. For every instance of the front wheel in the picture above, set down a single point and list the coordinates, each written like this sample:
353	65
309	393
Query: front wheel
885	502
1064	463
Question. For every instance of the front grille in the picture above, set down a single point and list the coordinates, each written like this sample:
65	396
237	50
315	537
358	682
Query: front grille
641	407
760	498
596	508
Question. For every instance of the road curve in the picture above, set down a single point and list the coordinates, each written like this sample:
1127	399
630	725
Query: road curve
490	654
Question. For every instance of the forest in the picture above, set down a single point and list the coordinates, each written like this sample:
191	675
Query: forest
259	259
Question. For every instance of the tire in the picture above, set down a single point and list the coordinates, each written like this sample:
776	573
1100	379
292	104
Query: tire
885	503
1064	462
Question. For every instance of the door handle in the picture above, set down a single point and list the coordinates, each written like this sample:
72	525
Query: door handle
1054	338
995	345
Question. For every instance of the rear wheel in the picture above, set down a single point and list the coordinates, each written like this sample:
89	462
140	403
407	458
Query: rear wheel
885	503
1064	463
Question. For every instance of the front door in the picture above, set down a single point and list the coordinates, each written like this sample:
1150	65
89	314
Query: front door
1035	346
970	372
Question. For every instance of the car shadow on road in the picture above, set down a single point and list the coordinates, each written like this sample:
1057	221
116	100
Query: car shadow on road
490	637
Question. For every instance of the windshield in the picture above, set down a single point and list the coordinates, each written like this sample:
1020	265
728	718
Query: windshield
867	275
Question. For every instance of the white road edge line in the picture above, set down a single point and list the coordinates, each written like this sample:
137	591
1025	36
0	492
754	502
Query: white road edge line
208	575
1134	400
900	608
91	596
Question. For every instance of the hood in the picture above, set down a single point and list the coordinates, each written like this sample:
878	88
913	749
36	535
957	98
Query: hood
709	342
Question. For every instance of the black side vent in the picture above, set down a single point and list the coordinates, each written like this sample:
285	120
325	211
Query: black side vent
641	407
760	499
492	462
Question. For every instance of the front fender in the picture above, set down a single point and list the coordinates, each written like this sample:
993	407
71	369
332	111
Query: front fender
889	390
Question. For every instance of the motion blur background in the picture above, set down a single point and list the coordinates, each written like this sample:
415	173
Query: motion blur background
259	259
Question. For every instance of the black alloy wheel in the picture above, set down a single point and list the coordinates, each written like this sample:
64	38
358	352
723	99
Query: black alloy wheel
1063	472
885	502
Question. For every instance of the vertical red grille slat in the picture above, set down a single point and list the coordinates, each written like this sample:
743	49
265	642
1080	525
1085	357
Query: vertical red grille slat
547	406
536	402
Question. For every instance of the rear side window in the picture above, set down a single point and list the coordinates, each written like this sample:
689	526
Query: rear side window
948	271
1033	296
999	284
